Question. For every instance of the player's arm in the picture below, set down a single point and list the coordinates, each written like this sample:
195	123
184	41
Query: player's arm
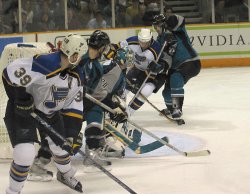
175	22
17	77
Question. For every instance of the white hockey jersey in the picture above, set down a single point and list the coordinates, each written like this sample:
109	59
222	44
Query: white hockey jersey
142	57
51	91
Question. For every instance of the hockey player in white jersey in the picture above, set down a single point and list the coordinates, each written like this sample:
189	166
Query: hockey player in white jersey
44	84
147	51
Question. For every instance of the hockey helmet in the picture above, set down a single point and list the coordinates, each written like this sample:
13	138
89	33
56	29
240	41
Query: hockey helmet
98	39
145	35
159	19
72	44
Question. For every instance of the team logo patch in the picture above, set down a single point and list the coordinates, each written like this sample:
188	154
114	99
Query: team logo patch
140	58
58	95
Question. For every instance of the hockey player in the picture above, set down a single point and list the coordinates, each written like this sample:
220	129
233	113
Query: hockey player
146	50
185	61
100	145
92	73
44	84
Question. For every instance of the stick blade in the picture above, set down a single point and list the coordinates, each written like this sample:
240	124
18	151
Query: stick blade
198	153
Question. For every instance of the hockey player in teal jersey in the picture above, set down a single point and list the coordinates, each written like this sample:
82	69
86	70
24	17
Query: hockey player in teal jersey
49	85
185	61
112	82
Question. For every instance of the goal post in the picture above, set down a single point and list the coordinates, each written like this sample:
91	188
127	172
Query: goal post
10	53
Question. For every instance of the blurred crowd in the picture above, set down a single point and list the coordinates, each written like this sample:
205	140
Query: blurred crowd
49	15
231	11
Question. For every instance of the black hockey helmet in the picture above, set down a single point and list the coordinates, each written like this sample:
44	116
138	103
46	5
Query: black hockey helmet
98	39
159	19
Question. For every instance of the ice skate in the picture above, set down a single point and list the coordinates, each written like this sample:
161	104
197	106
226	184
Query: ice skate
113	148
9	191
38	172
95	154
177	113
69	180
167	111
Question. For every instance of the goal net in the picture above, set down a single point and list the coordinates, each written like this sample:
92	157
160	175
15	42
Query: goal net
10	53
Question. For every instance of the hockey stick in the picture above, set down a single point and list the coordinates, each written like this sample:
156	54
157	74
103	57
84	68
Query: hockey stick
130	143
187	154
178	121
145	80
65	142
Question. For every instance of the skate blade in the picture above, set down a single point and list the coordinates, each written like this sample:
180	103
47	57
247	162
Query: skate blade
39	178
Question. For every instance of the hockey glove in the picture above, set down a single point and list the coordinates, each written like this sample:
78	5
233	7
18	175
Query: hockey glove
119	116
73	145
24	107
165	65
67	147
155	67
77	143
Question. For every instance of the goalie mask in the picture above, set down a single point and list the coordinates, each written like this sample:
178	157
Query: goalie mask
124	57
73	44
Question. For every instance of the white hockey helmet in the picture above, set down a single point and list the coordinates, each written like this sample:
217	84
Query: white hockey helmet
72	44
145	35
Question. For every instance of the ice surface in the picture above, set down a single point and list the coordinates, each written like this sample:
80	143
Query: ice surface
217	115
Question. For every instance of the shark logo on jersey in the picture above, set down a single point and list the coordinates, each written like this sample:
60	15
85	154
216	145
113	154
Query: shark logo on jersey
58	95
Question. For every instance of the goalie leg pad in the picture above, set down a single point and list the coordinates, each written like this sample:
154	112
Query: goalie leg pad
131	132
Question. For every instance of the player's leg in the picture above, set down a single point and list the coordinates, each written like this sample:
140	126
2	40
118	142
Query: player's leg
177	81
94	135
22	133
62	159
38	172
166	93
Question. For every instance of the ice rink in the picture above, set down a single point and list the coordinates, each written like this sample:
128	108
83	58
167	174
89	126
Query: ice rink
217	115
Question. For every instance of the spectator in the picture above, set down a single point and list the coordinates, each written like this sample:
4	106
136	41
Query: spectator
73	24
84	14
138	19
123	19
132	10
4	29
152	9
1	7
220	11
168	11
46	24
93	7
97	22
29	9
58	13
24	22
